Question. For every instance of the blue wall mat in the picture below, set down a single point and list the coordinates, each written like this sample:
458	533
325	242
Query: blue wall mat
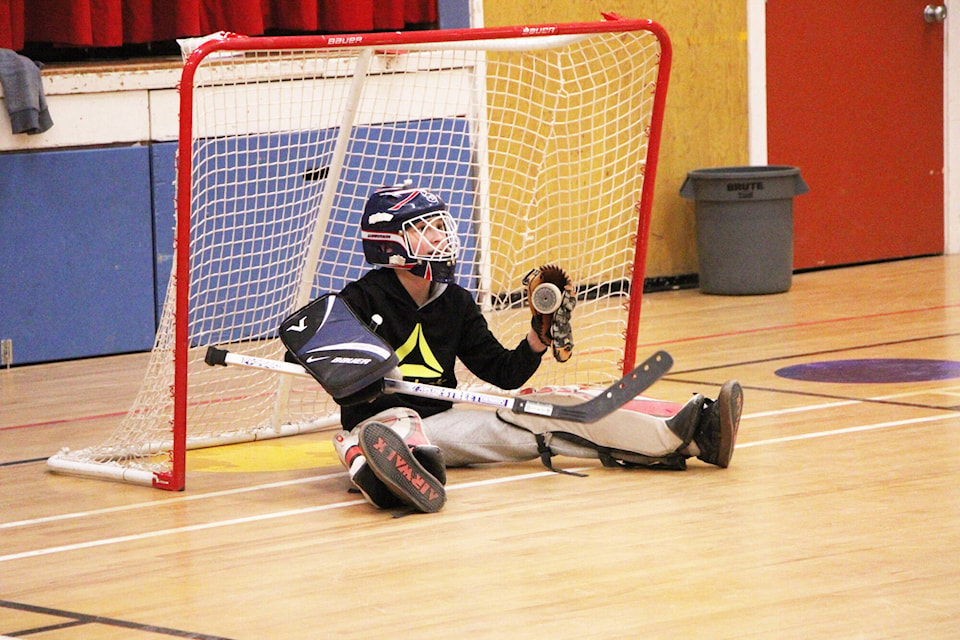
445	150
163	168
76	263
255	186
454	14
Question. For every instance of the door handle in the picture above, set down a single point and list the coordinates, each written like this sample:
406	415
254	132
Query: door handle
935	13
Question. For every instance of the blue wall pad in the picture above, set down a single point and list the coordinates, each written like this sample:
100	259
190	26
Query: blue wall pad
254	188
163	169
76	253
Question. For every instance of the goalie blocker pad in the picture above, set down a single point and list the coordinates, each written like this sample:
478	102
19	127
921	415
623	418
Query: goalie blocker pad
335	347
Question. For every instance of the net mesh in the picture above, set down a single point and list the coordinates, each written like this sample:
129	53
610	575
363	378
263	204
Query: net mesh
538	146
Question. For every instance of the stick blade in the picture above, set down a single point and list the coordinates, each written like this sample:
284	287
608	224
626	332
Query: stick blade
614	396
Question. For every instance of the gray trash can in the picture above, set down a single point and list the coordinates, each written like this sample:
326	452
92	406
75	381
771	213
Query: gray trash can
744	227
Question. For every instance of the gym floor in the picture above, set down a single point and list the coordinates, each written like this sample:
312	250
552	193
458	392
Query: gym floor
839	516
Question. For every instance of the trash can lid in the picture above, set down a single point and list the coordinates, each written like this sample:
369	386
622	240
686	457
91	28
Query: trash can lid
734	183
736	173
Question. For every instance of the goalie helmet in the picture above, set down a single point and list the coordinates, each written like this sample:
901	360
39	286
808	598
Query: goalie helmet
408	228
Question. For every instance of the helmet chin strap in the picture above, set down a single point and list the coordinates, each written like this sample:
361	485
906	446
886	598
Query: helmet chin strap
431	270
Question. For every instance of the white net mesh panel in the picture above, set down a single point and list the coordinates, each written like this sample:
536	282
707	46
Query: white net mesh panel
538	146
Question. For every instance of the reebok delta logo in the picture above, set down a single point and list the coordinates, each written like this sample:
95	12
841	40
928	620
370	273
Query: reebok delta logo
416	358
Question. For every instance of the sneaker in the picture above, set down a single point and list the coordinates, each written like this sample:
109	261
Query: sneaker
717	432
685	422
431	458
347	446
391	460
374	490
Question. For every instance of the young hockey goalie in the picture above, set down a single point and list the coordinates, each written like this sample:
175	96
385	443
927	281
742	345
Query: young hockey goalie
396	447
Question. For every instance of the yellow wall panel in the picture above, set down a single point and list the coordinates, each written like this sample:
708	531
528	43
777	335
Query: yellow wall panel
566	154
706	114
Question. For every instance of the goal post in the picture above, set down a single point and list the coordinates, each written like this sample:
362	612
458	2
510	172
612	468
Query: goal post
542	139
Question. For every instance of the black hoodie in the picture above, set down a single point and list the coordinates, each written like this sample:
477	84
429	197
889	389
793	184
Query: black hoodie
429	339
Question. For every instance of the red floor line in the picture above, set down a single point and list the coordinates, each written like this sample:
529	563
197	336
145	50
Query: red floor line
796	325
62	421
97	417
645	344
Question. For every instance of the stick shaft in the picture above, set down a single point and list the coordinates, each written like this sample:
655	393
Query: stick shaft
608	401
446	393
390	385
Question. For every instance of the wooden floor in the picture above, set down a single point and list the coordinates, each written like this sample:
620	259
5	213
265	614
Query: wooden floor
839	517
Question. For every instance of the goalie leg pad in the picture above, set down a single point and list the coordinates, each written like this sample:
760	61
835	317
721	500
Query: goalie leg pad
610	457
627	437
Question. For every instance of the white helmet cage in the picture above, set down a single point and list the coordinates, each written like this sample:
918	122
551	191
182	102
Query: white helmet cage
432	236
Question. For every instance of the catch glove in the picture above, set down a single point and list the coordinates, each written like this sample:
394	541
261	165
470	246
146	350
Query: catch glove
552	299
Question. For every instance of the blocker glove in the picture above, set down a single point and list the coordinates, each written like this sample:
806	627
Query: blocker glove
338	350
552	299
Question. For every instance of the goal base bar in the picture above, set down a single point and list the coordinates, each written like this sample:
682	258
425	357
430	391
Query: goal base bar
61	462
58	463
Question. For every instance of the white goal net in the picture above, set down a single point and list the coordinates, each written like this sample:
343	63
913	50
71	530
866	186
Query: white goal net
542	141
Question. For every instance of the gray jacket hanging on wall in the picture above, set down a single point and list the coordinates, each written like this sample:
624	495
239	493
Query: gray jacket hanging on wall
23	93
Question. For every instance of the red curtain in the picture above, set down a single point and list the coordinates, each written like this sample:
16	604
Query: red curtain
11	24
112	23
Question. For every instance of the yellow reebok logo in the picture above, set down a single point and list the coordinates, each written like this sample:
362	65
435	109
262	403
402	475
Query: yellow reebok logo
416	358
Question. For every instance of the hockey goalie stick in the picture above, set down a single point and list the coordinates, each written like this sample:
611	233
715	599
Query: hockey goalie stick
603	404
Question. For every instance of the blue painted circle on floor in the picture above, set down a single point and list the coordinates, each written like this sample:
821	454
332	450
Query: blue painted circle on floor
875	370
